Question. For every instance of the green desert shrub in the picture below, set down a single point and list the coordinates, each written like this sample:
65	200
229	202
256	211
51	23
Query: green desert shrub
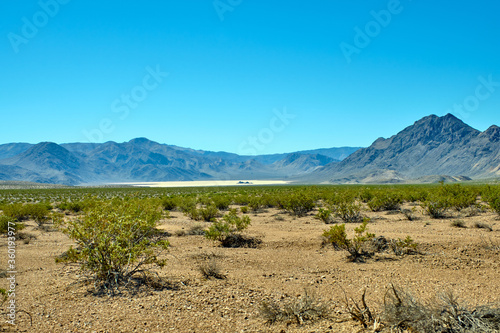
348	211
4	224
228	230
324	215
436	207
169	203
72	206
495	204
385	201
404	246
221	202
299	204
115	240
337	237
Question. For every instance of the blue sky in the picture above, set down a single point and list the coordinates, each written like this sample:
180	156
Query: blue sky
244	76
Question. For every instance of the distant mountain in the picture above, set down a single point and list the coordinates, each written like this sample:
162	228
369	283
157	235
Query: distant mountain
433	146
143	160
13	149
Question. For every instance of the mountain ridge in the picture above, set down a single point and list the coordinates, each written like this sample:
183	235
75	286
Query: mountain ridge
431	149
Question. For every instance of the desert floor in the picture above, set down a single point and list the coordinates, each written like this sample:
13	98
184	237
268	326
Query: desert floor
290	261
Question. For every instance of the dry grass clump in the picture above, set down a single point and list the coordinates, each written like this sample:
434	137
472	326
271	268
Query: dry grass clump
195	230
299	310
480	225
458	224
211	269
404	313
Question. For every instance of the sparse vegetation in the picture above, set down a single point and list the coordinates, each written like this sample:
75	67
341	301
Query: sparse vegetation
403	312
302	309
324	215
210	269
481	225
227	230
115	240
337	236
458	224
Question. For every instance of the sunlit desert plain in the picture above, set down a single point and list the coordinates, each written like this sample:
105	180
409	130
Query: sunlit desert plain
254	259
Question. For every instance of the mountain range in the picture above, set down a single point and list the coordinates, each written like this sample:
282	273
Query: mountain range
142	160
432	149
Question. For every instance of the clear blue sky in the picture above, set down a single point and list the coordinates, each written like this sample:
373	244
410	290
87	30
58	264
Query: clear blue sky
67	68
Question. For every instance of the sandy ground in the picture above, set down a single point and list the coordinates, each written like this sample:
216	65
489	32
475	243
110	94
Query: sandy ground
290	260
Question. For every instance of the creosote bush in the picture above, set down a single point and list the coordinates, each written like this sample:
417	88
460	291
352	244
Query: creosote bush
115	240
347	211
228	230
324	215
385	201
337	236
298	204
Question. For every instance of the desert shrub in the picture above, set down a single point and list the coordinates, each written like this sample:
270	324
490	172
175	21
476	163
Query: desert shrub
436	208
366	195
208	213
73	206
385	201
228	226
337	236
324	215
195	230
481	225
348	211
210	269
235	240
4	224
244	209
404	246
115	240
221	202
255	204
495	205
409	213
459	196
458	224
3	296
301	309
186	204
169	203
446	313
19	212
359	310
299	204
